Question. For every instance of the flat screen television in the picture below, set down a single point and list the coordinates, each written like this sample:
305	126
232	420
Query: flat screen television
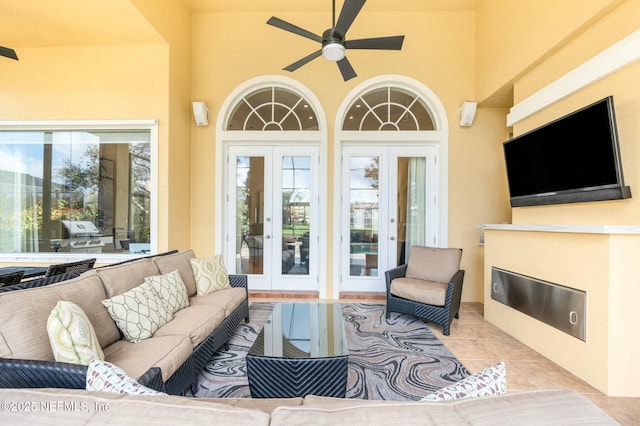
573	159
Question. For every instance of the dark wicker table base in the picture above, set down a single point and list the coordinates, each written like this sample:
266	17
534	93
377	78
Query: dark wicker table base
288	378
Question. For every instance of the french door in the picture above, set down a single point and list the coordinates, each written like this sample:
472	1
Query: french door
272	216
388	205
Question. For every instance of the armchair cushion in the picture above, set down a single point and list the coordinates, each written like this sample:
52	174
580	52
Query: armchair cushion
428	292
433	264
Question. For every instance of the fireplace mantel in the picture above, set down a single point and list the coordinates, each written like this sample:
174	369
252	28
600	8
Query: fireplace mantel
599	260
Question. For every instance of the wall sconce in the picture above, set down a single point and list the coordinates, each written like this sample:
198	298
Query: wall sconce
200	113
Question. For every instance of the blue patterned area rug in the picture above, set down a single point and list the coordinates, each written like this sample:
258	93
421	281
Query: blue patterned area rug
395	359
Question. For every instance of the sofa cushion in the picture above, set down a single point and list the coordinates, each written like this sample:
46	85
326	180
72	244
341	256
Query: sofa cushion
210	275
488	382
181	262
71	335
101	408
171	290
102	376
197	322
433	264
123	277
429	292
228	299
138	312
166	352
27	312
540	407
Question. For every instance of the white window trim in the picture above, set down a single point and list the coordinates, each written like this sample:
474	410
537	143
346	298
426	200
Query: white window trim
438	137
151	125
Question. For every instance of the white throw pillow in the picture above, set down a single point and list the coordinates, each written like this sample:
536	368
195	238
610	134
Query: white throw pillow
210	275
488	382
71	335
171	290
102	376
138	313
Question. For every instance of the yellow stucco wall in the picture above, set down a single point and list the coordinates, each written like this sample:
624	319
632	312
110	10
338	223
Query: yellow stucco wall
601	264
514	36
229	49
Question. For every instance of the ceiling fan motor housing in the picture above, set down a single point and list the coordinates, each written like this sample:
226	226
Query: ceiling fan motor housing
332	47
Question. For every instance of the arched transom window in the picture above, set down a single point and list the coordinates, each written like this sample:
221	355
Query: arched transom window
273	108
388	108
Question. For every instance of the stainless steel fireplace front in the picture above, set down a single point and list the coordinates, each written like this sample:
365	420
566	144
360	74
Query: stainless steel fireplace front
556	305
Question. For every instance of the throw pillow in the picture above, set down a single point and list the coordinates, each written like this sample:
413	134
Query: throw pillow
71	335
102	376
171	290
138	313
210	275
488	382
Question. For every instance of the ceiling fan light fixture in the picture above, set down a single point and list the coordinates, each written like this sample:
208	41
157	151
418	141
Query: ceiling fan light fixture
333	51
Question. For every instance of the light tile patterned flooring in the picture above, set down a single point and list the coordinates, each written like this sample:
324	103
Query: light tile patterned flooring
479	344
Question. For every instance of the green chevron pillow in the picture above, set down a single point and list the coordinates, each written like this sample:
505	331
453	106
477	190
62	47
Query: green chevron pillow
71	335
171	290
210	275
138	313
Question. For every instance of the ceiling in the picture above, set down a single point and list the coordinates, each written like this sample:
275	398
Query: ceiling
37	23
278	6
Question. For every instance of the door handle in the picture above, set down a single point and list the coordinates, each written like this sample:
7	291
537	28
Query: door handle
392	238
268	236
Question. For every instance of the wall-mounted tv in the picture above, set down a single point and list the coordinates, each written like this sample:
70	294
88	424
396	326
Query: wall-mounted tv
573	159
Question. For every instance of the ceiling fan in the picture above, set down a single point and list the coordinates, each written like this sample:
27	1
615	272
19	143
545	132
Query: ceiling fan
334	42
8	53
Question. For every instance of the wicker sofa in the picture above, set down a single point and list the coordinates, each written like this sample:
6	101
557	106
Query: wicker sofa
67	407
169	361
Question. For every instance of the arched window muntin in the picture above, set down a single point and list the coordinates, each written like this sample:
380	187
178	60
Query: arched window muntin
388	108
272	108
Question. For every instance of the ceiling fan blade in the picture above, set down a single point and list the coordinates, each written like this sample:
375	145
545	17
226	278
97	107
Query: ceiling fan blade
350	10
294	66
383	43
284	25
8	53
346	69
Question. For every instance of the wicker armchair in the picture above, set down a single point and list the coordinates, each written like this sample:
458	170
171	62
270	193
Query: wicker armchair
429	286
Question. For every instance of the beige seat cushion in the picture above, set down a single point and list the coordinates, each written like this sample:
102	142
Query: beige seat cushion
429	292
433	264
197	322
181	262
539	407
101	408
166	352
229	299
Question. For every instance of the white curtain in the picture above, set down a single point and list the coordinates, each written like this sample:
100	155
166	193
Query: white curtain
416	204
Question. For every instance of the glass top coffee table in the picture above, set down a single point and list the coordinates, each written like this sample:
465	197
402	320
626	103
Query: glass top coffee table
302	350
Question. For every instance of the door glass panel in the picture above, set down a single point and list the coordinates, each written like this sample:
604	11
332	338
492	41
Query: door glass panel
250	214
296	214
412	216
363	212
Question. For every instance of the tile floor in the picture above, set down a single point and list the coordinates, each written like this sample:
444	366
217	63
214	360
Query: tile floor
478	344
